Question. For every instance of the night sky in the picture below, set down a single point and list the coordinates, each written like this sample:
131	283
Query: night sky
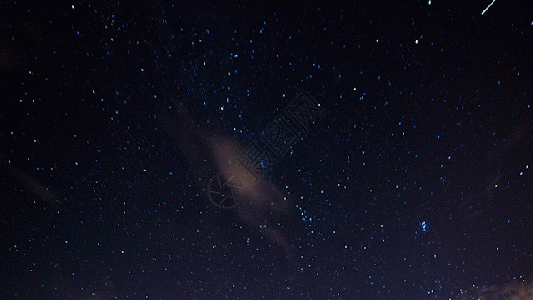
393	149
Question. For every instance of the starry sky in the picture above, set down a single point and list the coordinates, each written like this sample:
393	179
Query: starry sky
402	165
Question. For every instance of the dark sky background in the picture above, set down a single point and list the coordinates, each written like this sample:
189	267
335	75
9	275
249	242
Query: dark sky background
416	183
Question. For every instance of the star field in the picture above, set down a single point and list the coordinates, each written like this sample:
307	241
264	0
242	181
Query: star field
404	173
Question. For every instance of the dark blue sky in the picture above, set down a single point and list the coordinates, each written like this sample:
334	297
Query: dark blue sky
413	181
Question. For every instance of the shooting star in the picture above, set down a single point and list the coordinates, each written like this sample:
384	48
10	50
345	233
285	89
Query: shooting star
485	10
